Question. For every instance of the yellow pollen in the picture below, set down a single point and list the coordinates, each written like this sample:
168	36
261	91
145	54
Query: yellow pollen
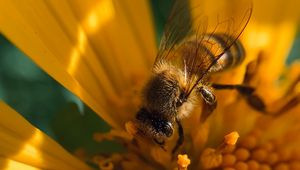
248	142
231	138
259	155
267	146
183	162
264	167
228	144
295	165
256	132
272	158
228	168
242	154
211	158
281	166
296	154
253	165
228	160
250	154
228	149
241	166
284	154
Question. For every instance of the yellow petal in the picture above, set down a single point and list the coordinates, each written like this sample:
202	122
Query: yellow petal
272	30
95	49
271	12
23	145
10	164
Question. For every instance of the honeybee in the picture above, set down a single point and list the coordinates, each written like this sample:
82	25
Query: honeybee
196	43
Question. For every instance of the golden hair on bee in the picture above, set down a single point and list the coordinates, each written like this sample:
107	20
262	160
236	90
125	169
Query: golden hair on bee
171	71
175	74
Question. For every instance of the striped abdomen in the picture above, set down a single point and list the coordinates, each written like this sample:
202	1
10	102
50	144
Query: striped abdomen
231	58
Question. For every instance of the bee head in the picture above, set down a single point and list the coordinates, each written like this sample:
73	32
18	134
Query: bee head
154	126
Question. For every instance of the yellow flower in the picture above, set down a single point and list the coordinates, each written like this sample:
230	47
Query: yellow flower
25	147
102	51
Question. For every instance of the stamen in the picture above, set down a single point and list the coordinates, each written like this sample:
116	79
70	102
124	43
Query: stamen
228	149
294	165
242	154
228	160
248	142
210	158
259	155
231	138
264	167
296	154
281	166
213	158
106	165
268	146
228	168
183	162
272	158
241	166
103	163
253	165
284	154
131	128
229	141
251	154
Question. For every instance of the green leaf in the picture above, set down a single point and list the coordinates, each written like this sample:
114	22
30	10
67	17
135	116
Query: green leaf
74	130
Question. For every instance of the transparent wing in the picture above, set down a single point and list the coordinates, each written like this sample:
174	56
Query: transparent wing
187	40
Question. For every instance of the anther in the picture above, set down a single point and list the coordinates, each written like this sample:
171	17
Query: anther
183	162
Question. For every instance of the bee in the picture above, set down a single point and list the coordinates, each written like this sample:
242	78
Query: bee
196	43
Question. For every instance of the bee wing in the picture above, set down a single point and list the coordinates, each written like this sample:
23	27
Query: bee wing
187	40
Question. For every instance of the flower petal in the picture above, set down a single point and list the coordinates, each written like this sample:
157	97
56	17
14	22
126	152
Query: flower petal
12	165
22	145
94	49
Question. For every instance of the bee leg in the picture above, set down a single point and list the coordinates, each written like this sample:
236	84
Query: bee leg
248	92
207	110
180	137
256	102
209	102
